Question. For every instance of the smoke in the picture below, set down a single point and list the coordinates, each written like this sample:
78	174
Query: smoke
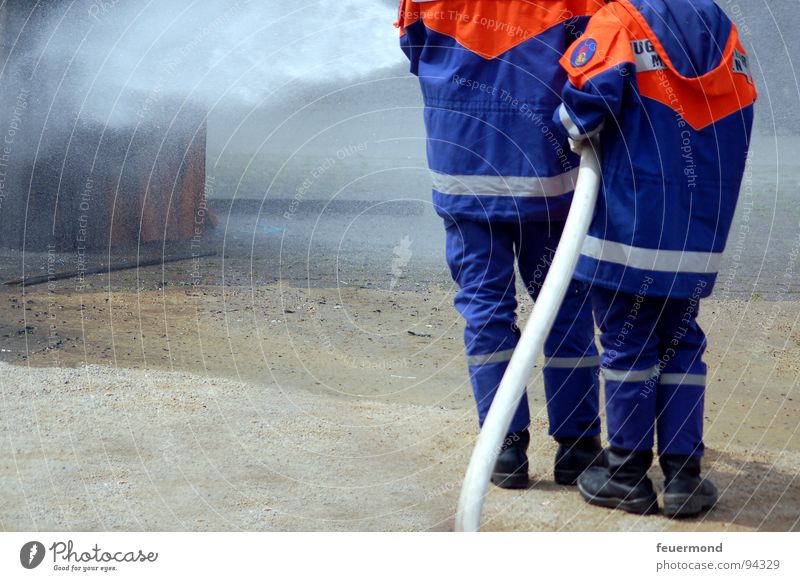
115	60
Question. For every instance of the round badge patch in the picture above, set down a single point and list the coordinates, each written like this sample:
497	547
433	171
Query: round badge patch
584	52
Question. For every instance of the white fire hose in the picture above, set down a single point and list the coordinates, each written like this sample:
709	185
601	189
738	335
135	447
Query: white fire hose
540	322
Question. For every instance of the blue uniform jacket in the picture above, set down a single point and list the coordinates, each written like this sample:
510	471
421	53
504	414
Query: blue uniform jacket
490	79
668	87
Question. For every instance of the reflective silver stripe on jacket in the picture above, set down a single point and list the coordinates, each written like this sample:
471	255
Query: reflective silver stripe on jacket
630	375
568	123
572	128
489	358
571	362
650	259
533	187
682	379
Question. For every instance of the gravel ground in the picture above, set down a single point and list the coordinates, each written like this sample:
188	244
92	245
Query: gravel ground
282	408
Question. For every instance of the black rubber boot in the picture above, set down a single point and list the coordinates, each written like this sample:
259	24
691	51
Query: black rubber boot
575	455
511	468
686	493
623	484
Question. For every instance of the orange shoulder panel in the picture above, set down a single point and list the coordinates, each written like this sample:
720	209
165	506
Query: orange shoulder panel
605	45
407	15
491	27
584	7
704	100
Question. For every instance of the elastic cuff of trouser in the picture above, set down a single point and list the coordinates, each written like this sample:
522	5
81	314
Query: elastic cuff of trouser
682	453
624	449
569	436
676	457
573	430
572	440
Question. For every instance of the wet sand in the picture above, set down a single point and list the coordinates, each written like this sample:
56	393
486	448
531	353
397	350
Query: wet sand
272	407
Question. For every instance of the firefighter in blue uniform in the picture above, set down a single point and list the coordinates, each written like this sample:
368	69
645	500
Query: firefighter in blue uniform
665	87
502	182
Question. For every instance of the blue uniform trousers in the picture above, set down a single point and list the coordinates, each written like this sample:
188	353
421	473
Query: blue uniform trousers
654	374
481	256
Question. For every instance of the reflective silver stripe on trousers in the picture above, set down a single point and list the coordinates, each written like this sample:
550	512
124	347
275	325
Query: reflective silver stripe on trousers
533	187
630	375
650	259
489	358
682	379
571	362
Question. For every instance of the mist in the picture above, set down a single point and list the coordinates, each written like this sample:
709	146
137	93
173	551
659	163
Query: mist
274	91
114	61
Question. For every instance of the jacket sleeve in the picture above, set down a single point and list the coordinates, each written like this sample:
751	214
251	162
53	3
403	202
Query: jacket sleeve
598	67
412	33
